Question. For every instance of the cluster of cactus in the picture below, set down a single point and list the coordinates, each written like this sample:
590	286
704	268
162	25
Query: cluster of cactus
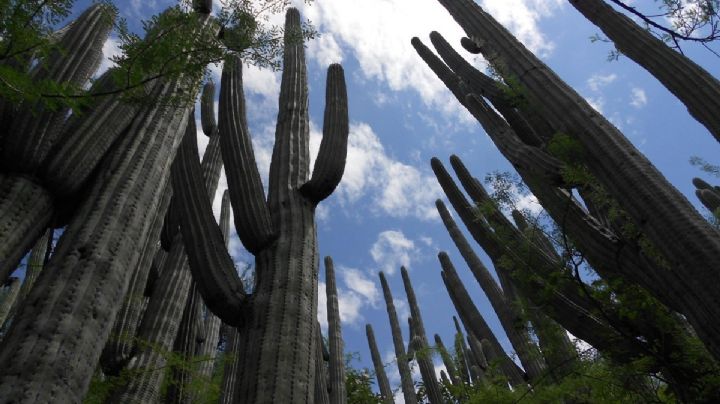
141	271
526	114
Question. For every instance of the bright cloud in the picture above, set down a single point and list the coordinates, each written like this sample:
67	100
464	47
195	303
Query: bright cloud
597	81
395	188
392	250
638	97
357	281
380	41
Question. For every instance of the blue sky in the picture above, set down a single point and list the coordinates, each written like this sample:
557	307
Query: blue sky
383	214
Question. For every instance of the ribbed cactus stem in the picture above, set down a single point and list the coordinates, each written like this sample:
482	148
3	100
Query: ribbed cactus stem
35	128
8	296
158	330
230	364
691	84
511	320
423	355
473	320
402	364
26	208
322	393
461	350
411	333
336	365
185	346
645	195
379	366
116	215
432	388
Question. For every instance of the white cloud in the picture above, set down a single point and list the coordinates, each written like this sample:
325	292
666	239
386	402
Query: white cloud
357	281
597	81
395	188
378	32
596	102
111	48
325	50
639	98
350	305
392	250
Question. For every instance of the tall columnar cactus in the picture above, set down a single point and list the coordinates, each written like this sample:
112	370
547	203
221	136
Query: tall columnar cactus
278	337
461	351
424	359
321	372
400	356
510	318
447	360
27	204
659	210
88	274
230	364
380	375
474	321
336	364
692	84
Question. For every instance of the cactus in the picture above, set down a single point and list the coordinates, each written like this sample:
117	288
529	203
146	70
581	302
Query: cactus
510	319
380	375
8	297
427	368
405	378
461	351
447	360
660	210
322	395
689	82
276	364
232	339
26	204
336	364
473	320
105	236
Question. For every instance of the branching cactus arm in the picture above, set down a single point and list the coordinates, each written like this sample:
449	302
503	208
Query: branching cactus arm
253	221
330	163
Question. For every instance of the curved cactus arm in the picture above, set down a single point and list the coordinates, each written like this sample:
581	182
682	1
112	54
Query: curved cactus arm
330	162
253	221
26	209
336	365
660	210
710	199
691	84
212	267
290	164
405	378
380	375
207	109
322	390
35	128
471	317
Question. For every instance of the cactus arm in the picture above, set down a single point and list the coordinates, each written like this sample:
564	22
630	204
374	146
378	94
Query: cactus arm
212	267
330	162
510	318
8	298
431	385
461	351
380	375
290	164
336	364
659	209
35	128
405	377
207	109
253	221
471	317
26	209
690	83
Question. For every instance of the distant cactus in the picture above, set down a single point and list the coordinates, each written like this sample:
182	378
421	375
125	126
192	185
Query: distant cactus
380	375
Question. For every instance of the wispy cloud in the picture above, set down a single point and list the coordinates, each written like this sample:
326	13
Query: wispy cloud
392	250
638	97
